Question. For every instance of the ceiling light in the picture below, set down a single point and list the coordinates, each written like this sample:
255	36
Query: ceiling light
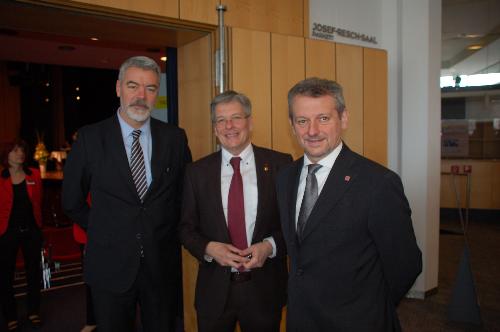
474	47
94	38
163	58
470	35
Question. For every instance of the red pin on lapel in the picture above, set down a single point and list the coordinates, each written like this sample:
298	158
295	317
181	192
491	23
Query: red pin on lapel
347	178
266	167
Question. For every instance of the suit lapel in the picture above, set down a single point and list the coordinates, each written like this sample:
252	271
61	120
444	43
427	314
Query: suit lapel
292	188
339	180
157	156
263	178
214	183
119	155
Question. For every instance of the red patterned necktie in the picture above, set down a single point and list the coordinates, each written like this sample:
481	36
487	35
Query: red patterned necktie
236	208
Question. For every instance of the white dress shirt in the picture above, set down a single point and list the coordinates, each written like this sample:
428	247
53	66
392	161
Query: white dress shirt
321	176
250	190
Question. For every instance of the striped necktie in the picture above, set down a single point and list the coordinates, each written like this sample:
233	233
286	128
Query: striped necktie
137	165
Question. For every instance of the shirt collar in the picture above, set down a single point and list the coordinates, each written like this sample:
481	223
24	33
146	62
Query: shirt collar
327	161
245	155
127	129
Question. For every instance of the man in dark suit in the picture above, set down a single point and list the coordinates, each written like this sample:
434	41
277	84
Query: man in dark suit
346	223
131	164
234	230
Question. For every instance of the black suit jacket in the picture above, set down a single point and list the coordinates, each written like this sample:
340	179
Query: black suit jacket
118	223
203	221
358	256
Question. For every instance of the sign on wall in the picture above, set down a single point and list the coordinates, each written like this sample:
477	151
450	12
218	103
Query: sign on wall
355	22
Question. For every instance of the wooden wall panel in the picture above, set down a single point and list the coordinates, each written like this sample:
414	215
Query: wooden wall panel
349	72
481	185
287	63
202	11
250	73
447	195
485	184
495	185
194	75
320	59
279	16
375	105
168	8
195	86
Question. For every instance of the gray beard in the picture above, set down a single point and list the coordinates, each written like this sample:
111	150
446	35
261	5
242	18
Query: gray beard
138	116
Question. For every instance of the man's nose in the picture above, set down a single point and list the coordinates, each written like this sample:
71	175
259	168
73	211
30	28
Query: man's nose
313	129
141	92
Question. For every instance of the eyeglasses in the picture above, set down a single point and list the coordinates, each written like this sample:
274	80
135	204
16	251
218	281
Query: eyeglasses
236	119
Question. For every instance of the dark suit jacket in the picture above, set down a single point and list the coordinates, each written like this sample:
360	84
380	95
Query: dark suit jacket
358	256
203	221
118	223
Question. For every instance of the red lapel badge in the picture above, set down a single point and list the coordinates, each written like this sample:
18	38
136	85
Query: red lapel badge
266	168
347	178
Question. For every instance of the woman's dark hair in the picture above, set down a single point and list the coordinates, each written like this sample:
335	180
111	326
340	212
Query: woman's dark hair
9	146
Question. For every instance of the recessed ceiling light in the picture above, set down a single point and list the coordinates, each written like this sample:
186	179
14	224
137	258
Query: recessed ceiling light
472	35
163	58
94	38
474	47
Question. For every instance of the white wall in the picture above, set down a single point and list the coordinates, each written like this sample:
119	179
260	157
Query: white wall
420	127
360	16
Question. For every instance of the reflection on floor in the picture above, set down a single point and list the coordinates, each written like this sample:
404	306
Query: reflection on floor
64	309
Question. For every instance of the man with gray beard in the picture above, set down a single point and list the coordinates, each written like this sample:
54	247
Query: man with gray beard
131	165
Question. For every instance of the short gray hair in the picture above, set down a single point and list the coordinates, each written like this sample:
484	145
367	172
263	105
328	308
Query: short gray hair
317	87
227	97
142	62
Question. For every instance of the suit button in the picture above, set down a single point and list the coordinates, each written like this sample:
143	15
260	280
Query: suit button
138	236
299	272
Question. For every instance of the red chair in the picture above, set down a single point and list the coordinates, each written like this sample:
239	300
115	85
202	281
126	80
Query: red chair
61	245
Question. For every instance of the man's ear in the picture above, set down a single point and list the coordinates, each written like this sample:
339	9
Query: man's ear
344	119
291	125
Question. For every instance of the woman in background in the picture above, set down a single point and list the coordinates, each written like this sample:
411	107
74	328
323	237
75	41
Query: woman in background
20	222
